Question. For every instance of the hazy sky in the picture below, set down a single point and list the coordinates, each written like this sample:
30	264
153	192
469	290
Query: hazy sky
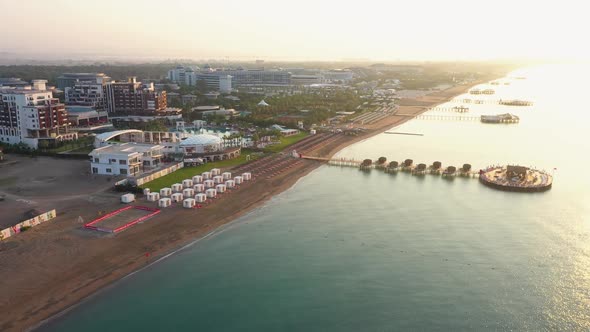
301	29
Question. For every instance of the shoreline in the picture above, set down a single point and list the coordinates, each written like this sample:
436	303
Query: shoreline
102	261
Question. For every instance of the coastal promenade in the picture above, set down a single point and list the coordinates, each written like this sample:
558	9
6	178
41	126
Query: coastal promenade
54	266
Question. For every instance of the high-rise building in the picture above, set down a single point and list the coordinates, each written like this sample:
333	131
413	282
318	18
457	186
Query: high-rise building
70	79
219	79
178	74
134	98
256	77
31	114
87	94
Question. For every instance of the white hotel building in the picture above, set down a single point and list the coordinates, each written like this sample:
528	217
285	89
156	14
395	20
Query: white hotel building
125	159
31	114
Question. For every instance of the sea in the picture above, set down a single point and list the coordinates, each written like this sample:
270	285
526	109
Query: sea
348	250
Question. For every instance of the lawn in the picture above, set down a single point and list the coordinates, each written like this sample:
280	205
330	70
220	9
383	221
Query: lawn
83	150
189	172
286	141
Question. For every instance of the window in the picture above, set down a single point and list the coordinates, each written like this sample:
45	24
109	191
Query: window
94	170
123	171
122	162
108	170
95	160
113	160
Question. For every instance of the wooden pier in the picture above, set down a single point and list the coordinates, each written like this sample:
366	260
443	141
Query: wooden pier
443	117
394	167
509	178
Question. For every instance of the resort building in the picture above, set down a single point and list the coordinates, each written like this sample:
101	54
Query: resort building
87	94
125	159
29	115
306	79
169	115
284	131
213	81
205	108
207	148
338	75
178	74
134	98
227	113
225	80
189	99
86	116
192	147
12	82
69	80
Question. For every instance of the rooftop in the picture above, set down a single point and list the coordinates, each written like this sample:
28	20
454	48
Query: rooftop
126	149
20	91
205	108
203	139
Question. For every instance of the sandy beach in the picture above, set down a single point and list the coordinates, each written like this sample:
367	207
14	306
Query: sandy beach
56	265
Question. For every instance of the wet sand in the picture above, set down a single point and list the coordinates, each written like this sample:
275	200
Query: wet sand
55	265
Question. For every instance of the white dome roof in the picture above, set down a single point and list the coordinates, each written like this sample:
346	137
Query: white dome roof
204	139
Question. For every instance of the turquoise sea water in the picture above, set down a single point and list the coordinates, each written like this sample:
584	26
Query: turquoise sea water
345	250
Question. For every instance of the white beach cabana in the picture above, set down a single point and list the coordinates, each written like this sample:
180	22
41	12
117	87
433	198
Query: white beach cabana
153	197
165	192
177	187
164	202
177	197
200	197
211	193
189	203
199	188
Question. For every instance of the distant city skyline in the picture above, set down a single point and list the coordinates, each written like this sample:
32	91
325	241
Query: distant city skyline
301	30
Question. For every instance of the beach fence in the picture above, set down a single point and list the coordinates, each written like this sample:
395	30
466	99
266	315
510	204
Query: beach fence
150	177
20	227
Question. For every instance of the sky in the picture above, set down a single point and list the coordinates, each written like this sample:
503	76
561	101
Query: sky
299	30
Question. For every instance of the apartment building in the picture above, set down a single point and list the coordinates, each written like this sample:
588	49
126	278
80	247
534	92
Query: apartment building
134	98
31	114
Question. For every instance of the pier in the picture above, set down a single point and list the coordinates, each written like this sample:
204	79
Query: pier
507	178
500	118
394	166
515	102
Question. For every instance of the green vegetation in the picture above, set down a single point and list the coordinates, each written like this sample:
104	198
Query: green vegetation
286	141
83	150
84	143
118	72
189	172
287	109
153	125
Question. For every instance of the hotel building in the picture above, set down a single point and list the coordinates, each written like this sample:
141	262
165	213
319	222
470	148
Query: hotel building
31	114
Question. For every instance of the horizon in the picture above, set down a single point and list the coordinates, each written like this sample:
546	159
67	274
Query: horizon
235	31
